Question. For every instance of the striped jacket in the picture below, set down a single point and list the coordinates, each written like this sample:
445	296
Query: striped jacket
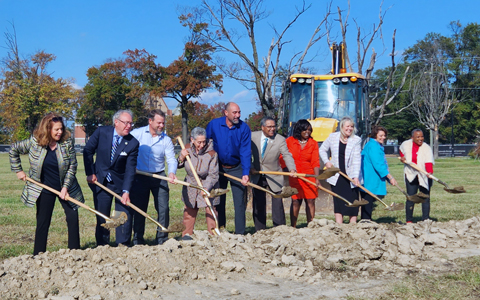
67	166
353	158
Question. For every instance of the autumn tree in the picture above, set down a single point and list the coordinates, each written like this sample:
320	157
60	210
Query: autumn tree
118	84
29	91
190	75
225	24
199	115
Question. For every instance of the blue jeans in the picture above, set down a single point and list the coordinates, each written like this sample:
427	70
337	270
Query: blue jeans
141	189
238	192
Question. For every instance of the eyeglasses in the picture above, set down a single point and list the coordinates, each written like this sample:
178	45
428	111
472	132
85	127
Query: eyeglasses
126	123
57	119
271	127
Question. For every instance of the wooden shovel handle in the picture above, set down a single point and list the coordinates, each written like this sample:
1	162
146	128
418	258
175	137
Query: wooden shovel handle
363	188
176	180
69	198
285	173
130	204
249	183
416	167
326	190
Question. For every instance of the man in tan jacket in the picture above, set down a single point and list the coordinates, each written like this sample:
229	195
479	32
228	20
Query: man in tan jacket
266	149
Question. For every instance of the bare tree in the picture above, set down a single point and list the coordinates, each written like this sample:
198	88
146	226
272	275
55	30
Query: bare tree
254	71
432	97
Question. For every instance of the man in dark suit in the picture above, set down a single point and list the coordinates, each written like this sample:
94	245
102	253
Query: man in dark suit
115	167
267	146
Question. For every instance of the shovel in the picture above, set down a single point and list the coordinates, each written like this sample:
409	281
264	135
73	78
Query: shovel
212	194
394	206
216	230
118	218
355	203
455	190
322	176
161	229
417	198
287	191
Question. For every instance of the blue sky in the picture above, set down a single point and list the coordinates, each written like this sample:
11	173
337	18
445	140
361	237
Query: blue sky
85	33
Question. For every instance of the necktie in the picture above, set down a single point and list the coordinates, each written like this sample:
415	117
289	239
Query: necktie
264	147
112	154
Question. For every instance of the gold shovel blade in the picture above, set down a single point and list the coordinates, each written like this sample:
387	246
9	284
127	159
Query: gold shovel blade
117	218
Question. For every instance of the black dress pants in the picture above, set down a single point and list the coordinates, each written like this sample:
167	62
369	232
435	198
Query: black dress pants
45	204
238	194
413	188
260	207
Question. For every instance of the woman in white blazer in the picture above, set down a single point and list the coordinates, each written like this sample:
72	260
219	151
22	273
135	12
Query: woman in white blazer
345	148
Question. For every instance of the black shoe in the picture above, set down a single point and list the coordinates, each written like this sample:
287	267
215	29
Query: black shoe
187	237
138	242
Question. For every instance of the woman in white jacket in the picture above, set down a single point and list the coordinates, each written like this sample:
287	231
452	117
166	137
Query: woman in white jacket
345	148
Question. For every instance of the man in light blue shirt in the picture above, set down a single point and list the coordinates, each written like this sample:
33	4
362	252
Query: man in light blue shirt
155	148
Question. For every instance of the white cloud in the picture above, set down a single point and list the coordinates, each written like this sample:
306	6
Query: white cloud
76	86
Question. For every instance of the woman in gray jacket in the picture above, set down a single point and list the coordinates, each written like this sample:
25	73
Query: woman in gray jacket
345	148
205	162
52	162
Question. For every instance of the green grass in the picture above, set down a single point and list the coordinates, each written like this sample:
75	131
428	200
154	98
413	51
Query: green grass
17	222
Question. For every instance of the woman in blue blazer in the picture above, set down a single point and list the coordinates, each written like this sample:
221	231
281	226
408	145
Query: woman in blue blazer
375	169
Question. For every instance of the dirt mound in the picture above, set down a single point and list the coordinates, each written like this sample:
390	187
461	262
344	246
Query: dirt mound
323	260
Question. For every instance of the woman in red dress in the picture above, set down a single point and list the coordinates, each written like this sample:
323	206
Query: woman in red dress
304	150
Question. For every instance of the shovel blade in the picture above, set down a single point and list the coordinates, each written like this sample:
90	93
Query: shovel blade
395	206
177	227
456	190
325	174
218	192
417	198
117	218
357	203
287	191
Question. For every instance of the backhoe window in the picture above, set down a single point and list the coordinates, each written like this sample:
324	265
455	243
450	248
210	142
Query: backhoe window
301	100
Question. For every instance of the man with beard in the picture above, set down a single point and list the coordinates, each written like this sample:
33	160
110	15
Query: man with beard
155	148
415	150
232	142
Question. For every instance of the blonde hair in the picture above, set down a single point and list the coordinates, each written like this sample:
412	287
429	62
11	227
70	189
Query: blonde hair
43	131
342	123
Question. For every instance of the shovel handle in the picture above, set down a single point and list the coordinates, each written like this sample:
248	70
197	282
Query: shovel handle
416	167
176	181
326	190
250	184
131	205
69	198
199	182
363	188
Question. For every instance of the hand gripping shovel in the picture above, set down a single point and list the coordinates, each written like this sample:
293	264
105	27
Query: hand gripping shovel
161	229
216	230
287	191
118	218
214	193
349	204
322	176
455	190
394	206
417	198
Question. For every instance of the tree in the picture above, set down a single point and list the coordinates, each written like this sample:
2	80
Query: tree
199	115
431	94
254	119
224	23
189	76
28	91
118	84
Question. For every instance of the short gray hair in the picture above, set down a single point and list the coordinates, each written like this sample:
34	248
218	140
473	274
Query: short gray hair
198	131
265	119
416	130
345	120
117	115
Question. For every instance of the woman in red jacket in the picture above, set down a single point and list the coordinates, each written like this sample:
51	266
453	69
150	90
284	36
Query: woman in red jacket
304	150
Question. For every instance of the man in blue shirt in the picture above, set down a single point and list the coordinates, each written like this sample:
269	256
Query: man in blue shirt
155	148
232	141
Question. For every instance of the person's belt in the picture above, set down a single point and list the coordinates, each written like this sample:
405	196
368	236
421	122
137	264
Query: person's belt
229	167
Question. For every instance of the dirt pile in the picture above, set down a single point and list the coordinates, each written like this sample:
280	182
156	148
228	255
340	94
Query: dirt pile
322	260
